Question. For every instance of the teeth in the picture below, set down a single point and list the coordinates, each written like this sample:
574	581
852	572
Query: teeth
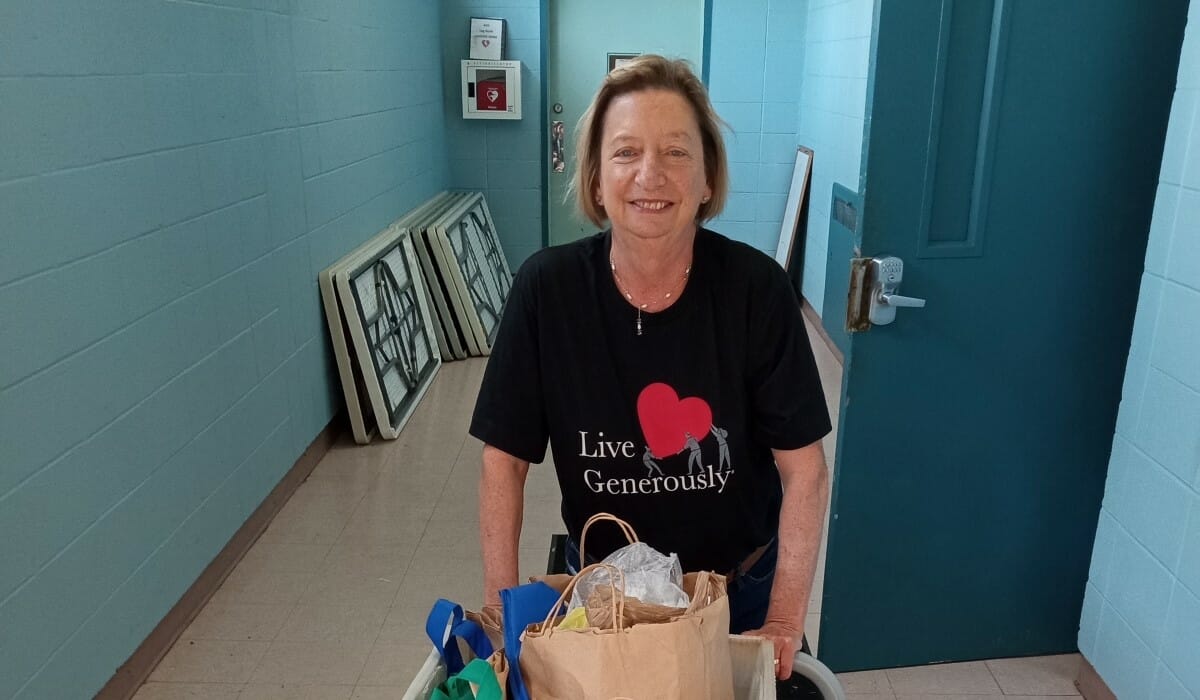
651	205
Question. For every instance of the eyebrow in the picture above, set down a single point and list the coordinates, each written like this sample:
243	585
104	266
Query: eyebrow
670	135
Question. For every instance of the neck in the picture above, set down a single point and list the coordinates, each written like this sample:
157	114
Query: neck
649	264
651	274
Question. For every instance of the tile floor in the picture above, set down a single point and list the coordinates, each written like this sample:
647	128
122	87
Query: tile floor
330	603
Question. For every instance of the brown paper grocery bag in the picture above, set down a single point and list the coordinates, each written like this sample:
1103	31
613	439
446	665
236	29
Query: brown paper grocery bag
499	664
685	657
492	623
702	588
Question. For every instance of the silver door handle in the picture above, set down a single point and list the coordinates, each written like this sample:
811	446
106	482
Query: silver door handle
897	300
885	274
558	154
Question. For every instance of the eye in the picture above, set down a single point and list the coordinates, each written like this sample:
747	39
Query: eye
677	153
624	153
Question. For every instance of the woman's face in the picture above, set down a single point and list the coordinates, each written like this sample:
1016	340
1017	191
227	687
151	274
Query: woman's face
652	177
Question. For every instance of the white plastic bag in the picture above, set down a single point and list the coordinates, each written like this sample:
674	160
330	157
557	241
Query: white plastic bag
650	576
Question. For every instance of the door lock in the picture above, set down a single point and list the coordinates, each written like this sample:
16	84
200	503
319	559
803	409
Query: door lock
885	276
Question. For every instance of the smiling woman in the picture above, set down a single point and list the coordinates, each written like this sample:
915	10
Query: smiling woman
666	365
652	181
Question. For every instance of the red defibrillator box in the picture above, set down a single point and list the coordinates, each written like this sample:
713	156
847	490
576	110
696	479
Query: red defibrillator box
490	95
491	89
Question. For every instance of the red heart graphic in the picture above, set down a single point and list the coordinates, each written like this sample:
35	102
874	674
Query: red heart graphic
666	419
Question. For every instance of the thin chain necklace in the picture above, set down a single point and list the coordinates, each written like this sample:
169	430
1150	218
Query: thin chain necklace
629	297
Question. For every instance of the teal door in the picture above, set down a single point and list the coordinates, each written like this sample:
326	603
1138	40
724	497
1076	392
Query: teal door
581	35
1012	155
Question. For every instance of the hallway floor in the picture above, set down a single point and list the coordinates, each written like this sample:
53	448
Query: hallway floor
330	603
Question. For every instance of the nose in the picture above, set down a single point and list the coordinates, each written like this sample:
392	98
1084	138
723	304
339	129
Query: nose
651	174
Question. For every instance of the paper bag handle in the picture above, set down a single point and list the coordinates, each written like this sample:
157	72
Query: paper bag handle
626	529
618	604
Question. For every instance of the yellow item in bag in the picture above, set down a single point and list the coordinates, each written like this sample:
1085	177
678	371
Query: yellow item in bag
574	620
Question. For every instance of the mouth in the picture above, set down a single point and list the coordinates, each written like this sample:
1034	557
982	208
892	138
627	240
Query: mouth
651	205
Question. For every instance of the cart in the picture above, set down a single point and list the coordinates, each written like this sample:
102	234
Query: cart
753	661
753	673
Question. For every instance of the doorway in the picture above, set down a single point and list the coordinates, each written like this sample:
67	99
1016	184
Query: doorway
581	37
975	432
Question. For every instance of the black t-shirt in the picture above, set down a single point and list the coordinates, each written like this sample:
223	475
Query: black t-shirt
671	430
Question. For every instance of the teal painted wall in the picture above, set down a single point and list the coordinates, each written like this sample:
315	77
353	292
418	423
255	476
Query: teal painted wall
174	177
756	69
503	159
832	110
1140	625
786	73
577	58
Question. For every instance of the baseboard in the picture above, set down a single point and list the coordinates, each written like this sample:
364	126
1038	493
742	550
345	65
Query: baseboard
1091	686
130	676
815	319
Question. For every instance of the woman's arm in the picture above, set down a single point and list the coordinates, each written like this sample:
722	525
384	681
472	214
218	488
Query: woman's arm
501	504
801	521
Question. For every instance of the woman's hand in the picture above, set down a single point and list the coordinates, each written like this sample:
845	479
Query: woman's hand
786	638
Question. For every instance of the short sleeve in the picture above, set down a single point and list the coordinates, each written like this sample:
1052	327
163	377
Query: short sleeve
787	401
510	411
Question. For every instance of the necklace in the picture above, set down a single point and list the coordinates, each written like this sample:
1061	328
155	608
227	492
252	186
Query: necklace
629	297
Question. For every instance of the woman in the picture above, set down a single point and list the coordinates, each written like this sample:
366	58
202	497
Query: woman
667	366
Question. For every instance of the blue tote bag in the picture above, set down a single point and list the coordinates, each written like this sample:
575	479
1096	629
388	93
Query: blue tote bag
446	625
523	605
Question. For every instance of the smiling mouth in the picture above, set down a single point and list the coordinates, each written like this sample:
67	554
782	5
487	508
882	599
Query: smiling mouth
651	204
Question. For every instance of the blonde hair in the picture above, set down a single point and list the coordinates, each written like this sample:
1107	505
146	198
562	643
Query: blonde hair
649	72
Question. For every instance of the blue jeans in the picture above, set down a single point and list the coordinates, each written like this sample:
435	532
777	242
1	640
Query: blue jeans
749	593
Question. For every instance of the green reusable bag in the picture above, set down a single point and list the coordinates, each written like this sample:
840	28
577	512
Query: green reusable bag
458	687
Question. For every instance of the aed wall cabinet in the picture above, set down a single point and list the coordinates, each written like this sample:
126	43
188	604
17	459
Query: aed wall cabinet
491	89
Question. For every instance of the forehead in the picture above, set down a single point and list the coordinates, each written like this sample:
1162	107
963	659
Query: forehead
646	113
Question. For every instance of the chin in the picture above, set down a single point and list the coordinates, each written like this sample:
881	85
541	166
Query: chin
649	232
653	230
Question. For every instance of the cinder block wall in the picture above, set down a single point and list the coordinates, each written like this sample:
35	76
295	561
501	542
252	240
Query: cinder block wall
1140	626
501	158
756	70
832	112
785	73
174	174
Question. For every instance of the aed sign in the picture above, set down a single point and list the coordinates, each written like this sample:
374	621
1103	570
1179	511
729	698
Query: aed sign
491	89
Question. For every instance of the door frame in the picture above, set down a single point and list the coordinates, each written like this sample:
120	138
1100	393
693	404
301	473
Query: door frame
544	117
1101	441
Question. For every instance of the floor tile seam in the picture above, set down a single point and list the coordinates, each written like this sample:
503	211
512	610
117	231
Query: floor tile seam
390	607
424	530
992	674
988	663
445	483
407	568
267	652
886	680
997	691
207	606
314	576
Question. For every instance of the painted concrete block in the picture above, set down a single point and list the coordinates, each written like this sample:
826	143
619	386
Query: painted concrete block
1188	570
1175	342
1182	638
1167	685
1123	660
1148	501
1184	237
1139	589
1179	130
